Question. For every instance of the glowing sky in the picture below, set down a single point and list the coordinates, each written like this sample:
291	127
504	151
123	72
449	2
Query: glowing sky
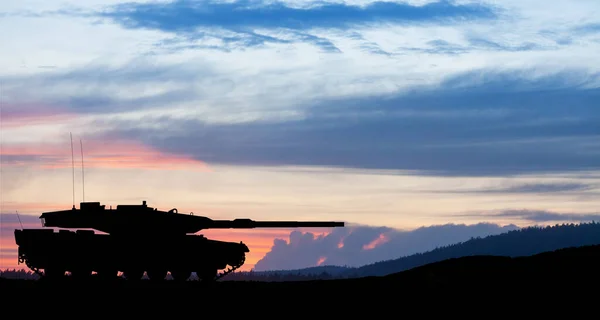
399	114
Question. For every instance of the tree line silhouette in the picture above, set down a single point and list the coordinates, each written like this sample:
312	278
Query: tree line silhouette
19	274
23	274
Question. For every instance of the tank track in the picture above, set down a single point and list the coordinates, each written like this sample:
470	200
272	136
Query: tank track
23	259
230	270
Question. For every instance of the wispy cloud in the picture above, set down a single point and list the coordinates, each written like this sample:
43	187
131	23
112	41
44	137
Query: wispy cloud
473	123
440	46
588	28
188	15
97	88
24	114
467	126
121	153
528	188
537	216
251	23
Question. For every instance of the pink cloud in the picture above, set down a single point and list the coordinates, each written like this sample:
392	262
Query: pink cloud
97	152
23	115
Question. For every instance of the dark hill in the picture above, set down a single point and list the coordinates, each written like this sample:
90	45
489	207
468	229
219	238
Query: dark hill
522	242
568	267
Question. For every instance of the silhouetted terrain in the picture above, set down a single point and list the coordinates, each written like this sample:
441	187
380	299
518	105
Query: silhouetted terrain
19	274
314	273
522	242
569	268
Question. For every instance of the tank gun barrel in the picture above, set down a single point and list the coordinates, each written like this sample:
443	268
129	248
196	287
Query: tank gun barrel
250	224
141	219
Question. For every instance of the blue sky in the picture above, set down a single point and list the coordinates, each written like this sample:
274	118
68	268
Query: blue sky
396	113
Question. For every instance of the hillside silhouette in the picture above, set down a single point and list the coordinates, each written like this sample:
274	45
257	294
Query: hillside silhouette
574	267
523	242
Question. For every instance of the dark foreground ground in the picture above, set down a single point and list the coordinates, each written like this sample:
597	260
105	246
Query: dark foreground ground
560	274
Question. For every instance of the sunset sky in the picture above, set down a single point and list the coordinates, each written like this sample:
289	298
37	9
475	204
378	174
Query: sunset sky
389	116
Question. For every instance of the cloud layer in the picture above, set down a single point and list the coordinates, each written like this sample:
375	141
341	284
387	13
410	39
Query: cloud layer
361	245
251	23
525	126
539	216
357	246
438	87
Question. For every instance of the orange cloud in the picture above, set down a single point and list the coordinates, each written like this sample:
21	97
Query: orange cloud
377	242
259	241
321	260
113	153
343	238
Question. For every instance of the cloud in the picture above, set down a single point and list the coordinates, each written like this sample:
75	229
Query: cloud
188	15
589	28
484	122
361	245
12	221
440	46
538	216
247	23
477	43
96	88
123	153
529	188
488	109
481	123
230	25
28	114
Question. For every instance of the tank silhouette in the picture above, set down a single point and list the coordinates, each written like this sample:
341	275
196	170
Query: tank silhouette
135	239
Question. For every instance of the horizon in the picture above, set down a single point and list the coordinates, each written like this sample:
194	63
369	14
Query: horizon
371	237
427	249
387	115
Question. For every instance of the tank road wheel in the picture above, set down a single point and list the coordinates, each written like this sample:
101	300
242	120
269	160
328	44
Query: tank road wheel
156	274
180	275
133	275
108	274
54	273
81	274
207	275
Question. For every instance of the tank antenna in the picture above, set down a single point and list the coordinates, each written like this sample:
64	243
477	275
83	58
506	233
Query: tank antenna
82	176
73	168
19	217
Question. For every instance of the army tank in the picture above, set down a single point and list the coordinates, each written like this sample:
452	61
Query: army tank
135	240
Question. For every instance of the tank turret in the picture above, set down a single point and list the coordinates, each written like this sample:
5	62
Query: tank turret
136	239
134	219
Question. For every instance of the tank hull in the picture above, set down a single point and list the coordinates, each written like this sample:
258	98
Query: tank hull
82	252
